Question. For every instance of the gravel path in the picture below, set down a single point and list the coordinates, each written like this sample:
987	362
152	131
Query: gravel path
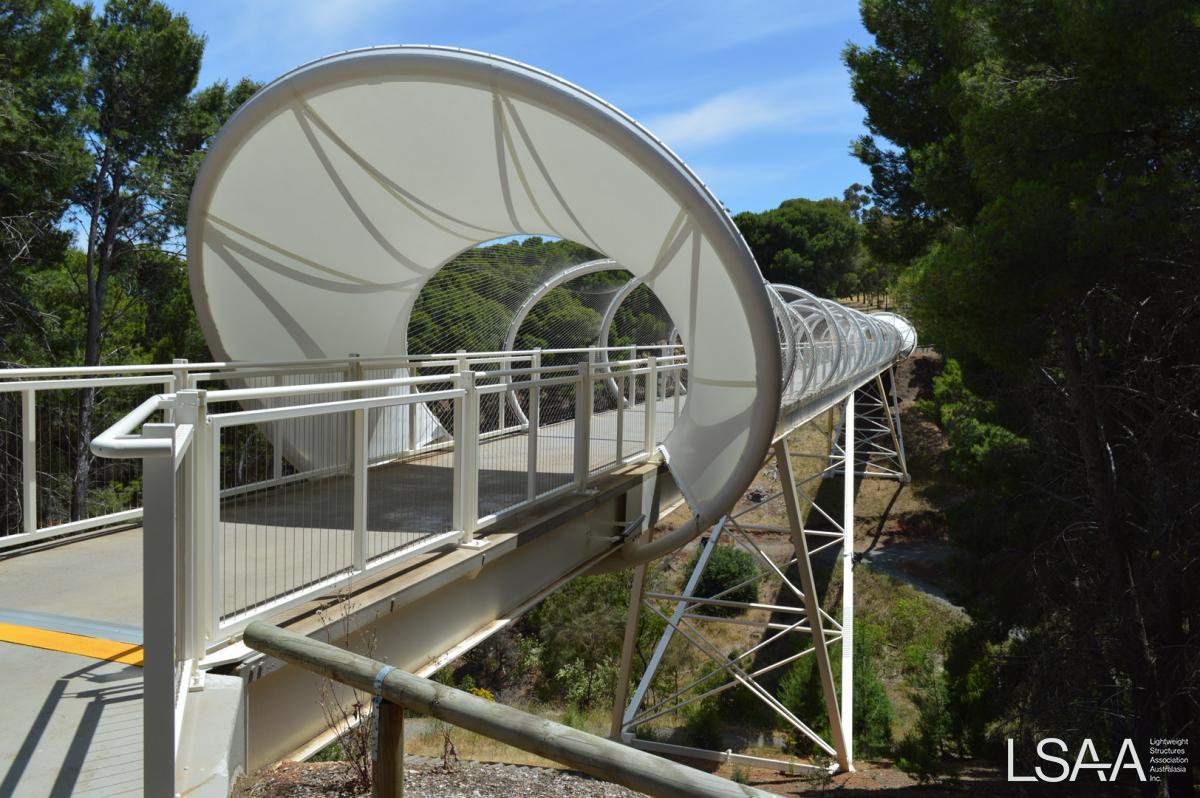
479	780
425	778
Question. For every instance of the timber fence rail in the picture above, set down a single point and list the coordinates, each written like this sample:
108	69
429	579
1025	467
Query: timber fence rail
585	752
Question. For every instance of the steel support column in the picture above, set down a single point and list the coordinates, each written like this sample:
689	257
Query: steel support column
787	479
848	579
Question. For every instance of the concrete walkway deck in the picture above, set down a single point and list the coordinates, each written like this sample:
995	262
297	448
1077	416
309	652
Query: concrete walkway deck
72	725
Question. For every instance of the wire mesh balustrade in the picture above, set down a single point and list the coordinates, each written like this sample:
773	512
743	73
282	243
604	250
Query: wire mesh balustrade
52	483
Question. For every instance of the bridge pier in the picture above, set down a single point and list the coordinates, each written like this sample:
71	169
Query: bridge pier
812	529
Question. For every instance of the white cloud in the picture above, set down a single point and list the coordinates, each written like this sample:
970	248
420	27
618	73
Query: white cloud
815	103
292	31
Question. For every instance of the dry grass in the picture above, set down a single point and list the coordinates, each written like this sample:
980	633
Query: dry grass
477	748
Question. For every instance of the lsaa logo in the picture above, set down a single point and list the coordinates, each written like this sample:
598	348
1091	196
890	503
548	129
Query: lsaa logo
1060	768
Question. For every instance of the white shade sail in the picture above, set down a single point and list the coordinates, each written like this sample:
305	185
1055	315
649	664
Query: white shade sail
336	192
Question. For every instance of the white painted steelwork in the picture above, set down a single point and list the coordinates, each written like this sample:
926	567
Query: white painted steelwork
340	189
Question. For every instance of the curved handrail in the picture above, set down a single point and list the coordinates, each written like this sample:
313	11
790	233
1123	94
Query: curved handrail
118	441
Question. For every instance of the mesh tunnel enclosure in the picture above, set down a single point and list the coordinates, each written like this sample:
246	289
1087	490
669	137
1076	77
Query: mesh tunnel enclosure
827	349
341	211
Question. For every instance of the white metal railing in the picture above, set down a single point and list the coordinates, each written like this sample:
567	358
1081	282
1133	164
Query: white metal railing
52	488
285	491
34	447
267	484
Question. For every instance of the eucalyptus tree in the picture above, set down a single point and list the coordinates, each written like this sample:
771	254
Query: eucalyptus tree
144	130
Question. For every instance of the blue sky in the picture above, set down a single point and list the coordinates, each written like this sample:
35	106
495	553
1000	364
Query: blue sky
752	94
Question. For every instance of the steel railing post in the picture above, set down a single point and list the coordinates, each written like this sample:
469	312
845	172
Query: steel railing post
203	524
622	403
677	385
212	499
158	621
468	458
502	398
29	460
651	397
183	380
360	444
189	409
534	419
848	580
354	373
458	474
276	440
583	424
664	375
411	432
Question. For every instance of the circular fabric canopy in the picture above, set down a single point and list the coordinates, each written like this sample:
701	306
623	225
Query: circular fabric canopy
336	192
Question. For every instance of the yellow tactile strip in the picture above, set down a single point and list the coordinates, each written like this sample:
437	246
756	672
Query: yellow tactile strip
93	647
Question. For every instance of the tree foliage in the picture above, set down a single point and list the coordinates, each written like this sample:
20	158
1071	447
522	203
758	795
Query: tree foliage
1037	165
724	573
101	139
41	151
800	691
807	243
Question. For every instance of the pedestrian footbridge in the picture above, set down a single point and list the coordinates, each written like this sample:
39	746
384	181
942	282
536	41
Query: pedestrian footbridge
352	456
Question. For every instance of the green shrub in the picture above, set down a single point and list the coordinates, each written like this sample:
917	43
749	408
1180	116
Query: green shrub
583	684
979	446
922	749
575	717
727	566
330	753
800	692
576	628
704	724
483	692
916	760
975	693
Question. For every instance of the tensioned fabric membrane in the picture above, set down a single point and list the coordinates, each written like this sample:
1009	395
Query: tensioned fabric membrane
333	195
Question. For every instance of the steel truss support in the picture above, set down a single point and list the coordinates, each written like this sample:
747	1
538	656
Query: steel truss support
878	435
797	615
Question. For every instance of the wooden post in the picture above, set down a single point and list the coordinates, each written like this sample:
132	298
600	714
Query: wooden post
387	771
